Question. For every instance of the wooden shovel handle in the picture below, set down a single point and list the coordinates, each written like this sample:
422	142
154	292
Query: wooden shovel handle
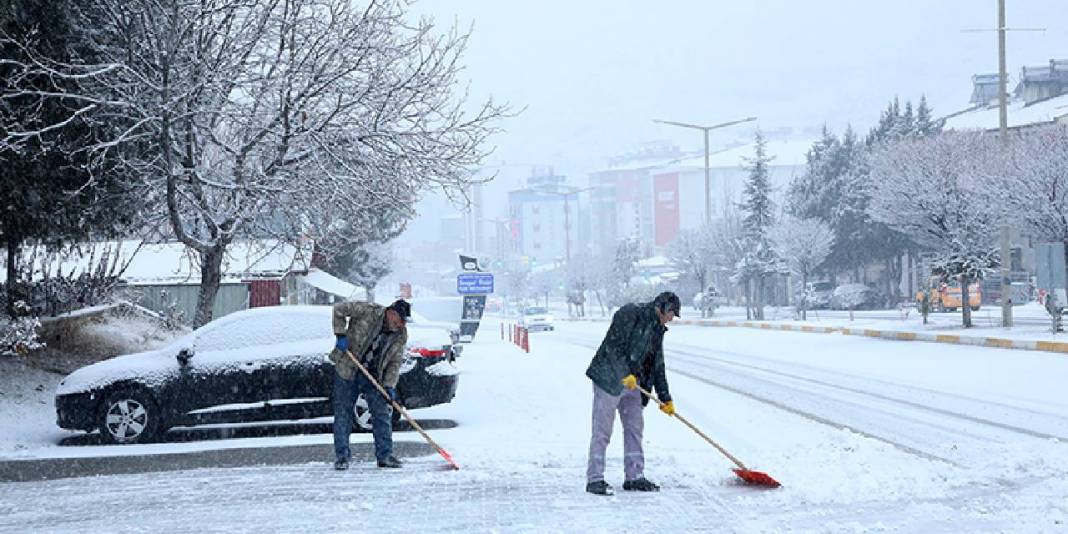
695	429
396	405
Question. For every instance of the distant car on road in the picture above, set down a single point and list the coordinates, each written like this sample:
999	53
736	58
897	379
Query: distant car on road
536	318
255	365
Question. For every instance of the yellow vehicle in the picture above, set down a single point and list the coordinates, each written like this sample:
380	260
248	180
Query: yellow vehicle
947	297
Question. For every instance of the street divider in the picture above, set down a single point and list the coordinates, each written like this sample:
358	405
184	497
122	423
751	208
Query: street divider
953	339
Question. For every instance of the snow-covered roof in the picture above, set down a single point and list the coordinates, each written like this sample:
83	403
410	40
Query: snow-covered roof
785	154
654	261
329	283
1019	114
175	263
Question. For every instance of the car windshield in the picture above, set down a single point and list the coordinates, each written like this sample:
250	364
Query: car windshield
822	286
535	310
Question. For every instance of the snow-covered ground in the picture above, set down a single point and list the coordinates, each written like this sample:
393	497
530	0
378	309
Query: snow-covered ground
865	435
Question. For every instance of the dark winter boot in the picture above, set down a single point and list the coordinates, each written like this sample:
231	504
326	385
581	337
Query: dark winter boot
640	484
341	465
389	461
599	487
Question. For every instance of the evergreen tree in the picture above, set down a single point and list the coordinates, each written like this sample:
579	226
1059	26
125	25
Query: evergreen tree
924	124
756	194
759	259
49	196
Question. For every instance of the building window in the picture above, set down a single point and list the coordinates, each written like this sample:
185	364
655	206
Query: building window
537	227
534	210
537	245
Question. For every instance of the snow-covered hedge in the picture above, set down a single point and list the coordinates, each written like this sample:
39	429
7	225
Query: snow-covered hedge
18	335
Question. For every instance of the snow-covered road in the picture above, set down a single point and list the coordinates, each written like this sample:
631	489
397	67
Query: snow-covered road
865	435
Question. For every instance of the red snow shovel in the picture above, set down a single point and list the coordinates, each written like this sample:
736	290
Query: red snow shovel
396	406
752	477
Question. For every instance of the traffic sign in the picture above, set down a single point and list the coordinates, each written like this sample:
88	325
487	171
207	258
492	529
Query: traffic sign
474	283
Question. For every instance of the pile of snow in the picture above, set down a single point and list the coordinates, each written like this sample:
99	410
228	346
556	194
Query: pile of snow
27	409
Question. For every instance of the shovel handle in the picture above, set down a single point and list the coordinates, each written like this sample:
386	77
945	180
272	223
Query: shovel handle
396	405
695	429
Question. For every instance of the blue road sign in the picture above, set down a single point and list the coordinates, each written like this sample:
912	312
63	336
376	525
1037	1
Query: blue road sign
474	283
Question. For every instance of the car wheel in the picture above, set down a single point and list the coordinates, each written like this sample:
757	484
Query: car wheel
129	416
362	420
975	308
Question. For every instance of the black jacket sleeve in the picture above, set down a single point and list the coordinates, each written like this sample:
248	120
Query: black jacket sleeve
660	375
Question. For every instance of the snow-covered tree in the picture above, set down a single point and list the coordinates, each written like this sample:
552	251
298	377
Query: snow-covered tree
1034	177
933	190
849	296
253	117
48	196
758	259
693	252
364	266
622	270
803	244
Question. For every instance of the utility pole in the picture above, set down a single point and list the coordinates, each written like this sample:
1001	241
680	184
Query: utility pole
1003	129
708	181
1003	132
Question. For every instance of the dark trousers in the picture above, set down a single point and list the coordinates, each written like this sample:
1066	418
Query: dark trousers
345	394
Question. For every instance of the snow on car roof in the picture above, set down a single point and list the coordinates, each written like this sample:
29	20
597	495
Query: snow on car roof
244	336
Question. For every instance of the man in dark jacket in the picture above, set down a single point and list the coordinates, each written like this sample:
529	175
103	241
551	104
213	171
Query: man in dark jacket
375	335
632	352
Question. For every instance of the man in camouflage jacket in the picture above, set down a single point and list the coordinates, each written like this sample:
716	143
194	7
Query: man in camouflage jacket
632	352
376	335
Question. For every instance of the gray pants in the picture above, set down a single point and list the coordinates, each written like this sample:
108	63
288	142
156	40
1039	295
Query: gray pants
629	404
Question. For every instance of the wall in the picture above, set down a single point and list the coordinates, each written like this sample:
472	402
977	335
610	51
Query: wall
159	298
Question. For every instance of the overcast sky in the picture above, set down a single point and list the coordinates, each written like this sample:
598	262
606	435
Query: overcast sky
592	74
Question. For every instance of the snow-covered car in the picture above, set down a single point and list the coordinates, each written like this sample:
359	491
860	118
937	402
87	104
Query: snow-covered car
819	295
536	318
255	365
855	297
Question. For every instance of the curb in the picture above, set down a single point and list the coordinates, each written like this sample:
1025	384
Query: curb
953	339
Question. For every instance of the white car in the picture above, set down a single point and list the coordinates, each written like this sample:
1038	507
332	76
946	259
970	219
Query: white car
536	318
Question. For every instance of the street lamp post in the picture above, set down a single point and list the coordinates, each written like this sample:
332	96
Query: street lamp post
705	130
567	217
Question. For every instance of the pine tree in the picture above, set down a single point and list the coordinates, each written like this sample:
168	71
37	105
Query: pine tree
759	259
924	123
757	192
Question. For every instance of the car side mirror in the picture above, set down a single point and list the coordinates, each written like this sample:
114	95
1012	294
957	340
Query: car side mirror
184	356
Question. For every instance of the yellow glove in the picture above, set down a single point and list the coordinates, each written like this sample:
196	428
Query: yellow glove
630	381
668	407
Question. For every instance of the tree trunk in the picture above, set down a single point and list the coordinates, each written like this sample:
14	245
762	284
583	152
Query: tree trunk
965	306
12	273
370	290
210	278
804	297
748	300
758	302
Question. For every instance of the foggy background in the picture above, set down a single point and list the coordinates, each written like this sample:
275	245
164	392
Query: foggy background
590	76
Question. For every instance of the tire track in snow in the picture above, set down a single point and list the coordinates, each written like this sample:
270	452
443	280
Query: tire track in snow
894	399
867	380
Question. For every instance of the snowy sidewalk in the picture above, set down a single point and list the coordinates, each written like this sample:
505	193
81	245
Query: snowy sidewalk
1033	332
